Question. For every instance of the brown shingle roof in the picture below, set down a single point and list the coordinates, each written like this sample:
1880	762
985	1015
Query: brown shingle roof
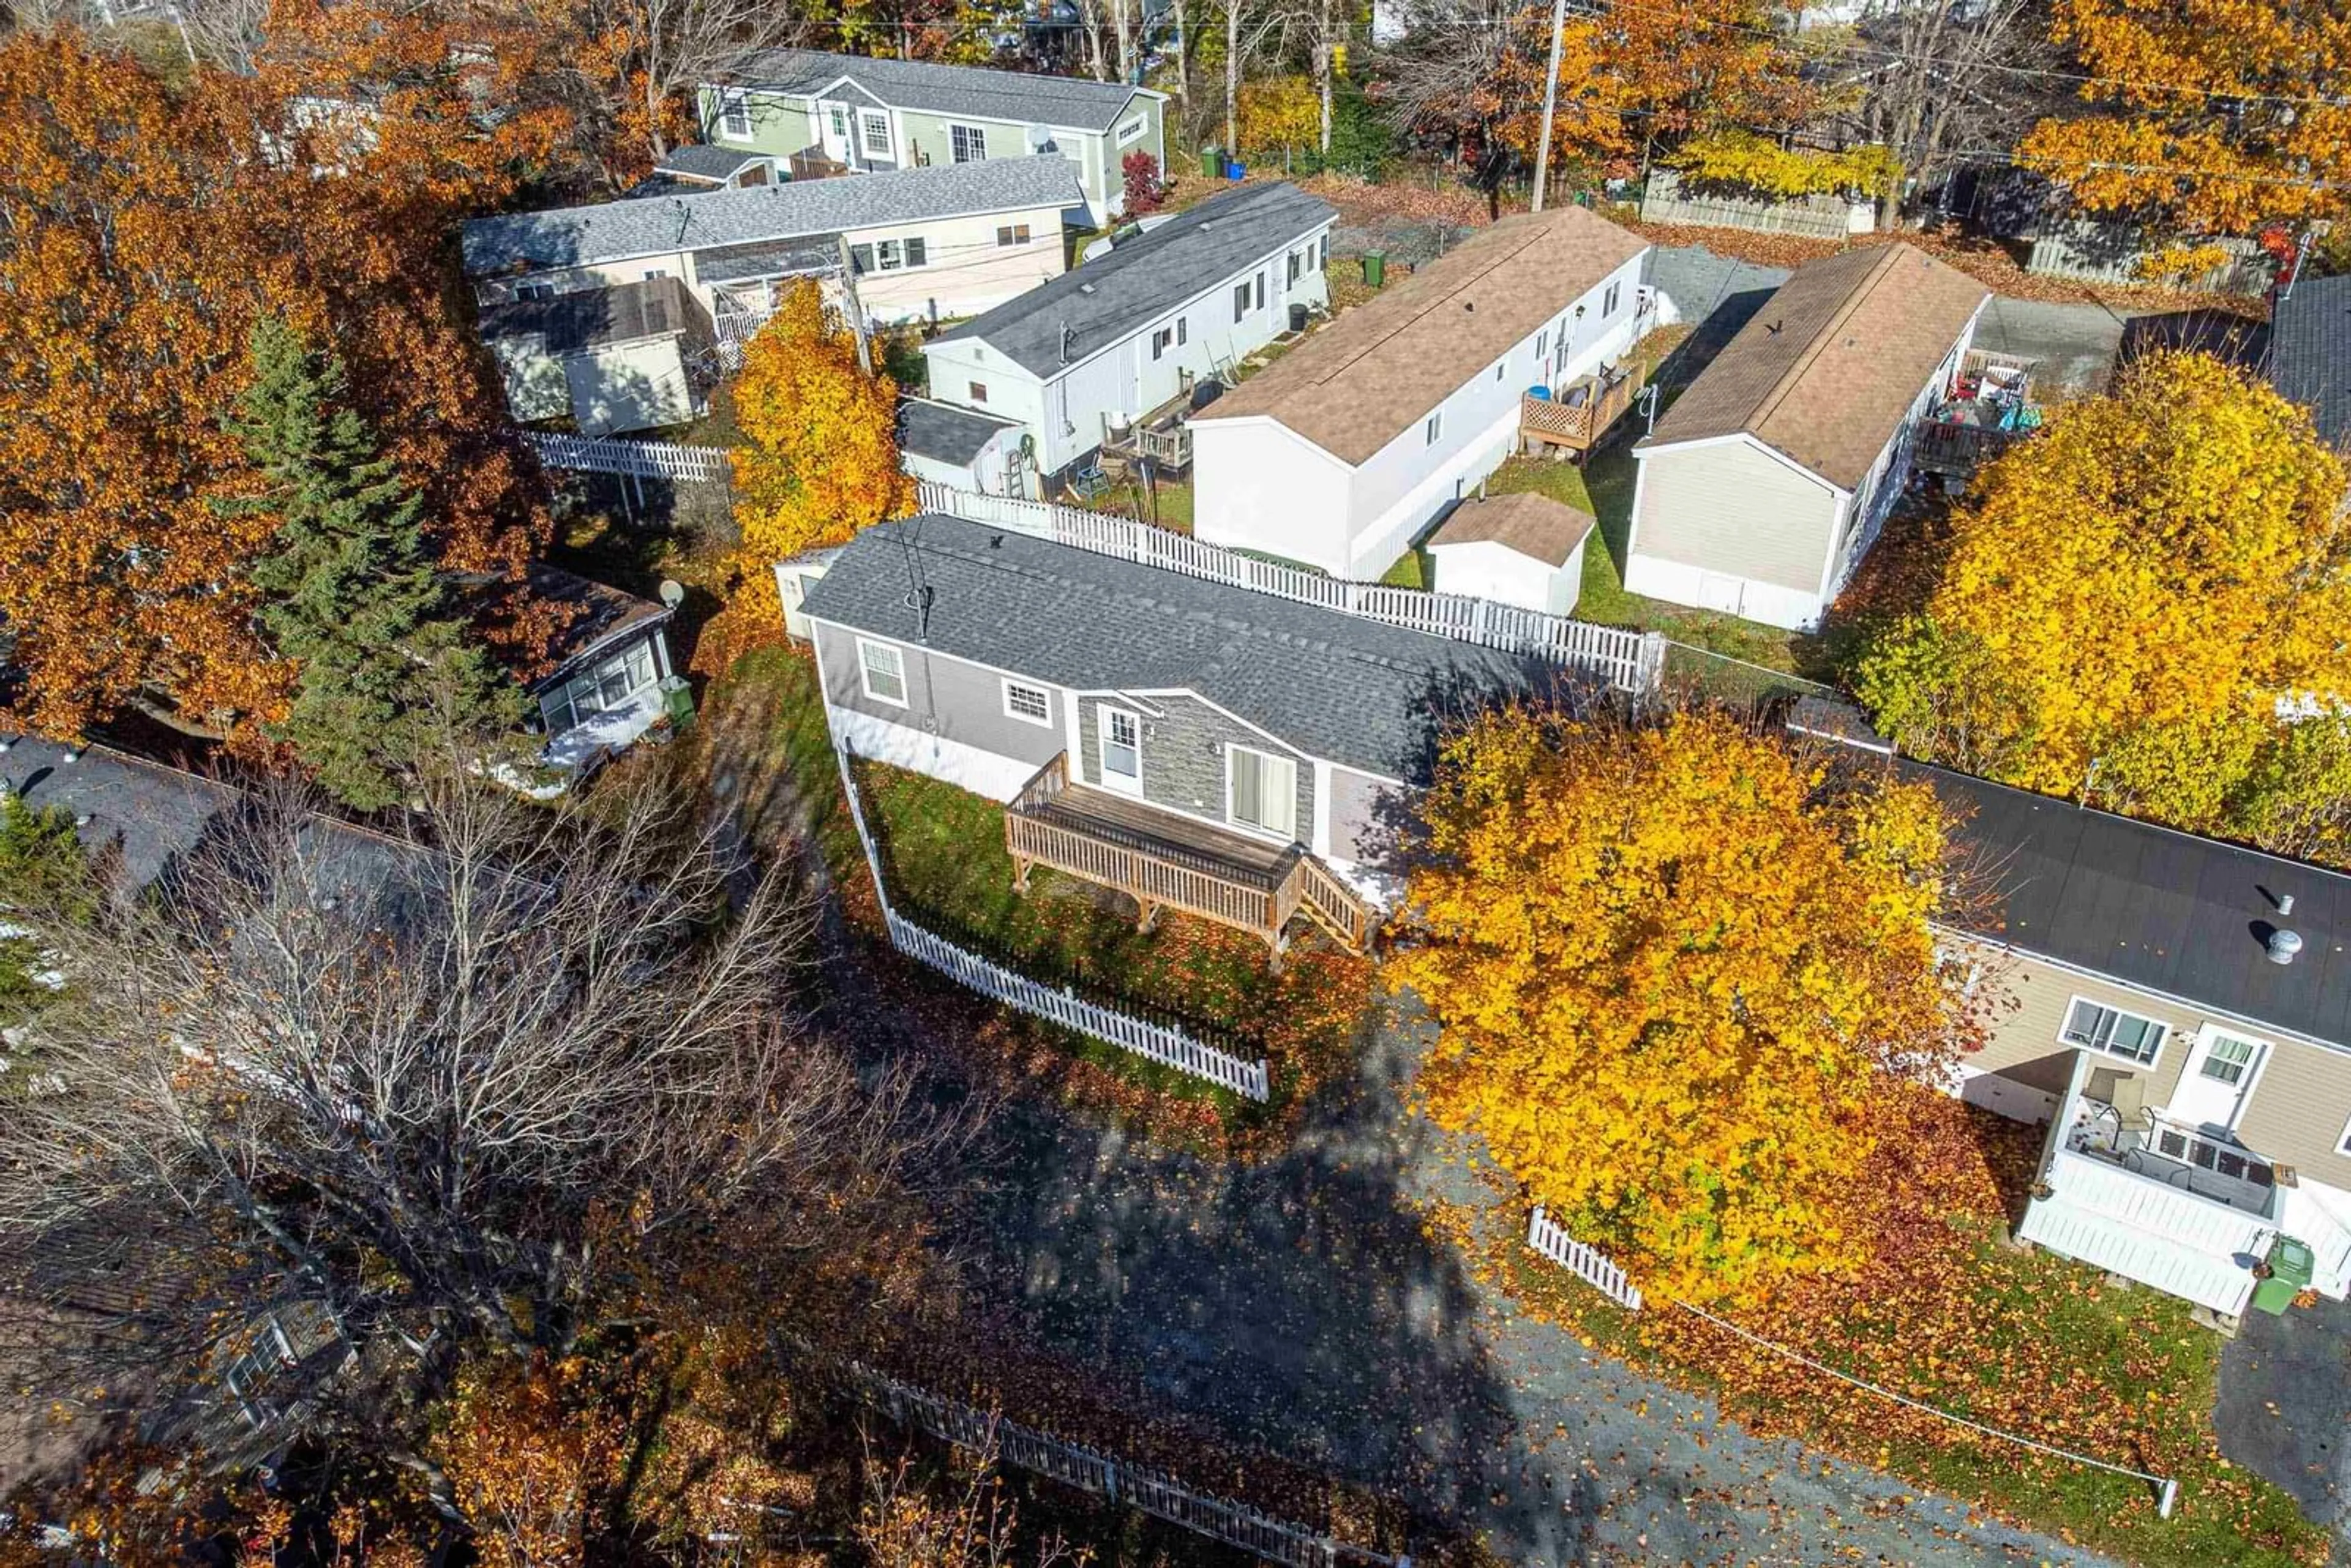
1535	525
1826	370
1375	371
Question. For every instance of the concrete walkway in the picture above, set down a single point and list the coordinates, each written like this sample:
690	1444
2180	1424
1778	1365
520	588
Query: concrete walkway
1298	1307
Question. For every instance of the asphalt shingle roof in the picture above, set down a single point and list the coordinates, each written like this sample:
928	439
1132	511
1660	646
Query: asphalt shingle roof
1533	525
657	226
1377	370
1017	96
2310	352
2167	911
1110	298
699	161
1827	370
590	318
1344	689
944	432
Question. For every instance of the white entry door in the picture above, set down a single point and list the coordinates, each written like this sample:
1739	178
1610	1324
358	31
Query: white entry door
2220	1074
1122	751
833	130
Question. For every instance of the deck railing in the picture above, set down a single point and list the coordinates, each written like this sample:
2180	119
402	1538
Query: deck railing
1162	876
1580	427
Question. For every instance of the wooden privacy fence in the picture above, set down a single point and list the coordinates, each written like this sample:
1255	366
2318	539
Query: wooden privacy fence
637	459
1168	1046
1090	1469
1588	1264
1630	661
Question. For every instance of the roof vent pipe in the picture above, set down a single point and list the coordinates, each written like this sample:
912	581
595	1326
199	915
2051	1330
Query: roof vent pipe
2283	946
2285	903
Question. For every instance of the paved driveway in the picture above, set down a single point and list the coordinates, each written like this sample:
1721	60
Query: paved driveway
1298	1307
2285	1407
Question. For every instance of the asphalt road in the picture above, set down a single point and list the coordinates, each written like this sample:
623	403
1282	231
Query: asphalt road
1298	1307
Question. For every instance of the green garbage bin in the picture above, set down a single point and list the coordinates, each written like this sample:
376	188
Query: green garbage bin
677	701
1375	268
2291	1265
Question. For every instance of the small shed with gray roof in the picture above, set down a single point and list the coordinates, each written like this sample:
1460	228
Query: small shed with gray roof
960	448
1093	350
1768	479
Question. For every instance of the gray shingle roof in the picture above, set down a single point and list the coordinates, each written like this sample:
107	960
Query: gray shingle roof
702	162
1017	96
944	432
657	226
1142	280
2310	352
1347	690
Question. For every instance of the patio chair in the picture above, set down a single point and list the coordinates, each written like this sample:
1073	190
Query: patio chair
1089	483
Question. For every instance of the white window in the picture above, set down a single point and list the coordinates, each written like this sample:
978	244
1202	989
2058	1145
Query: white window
1290	282
1498	366
1131	132
1260	290
1542	342
968	143
654	272
975	390
894	255
1325	249
2227	1059
534	291
734	117
2343	1144
1431	432
606	686
877	133
1032	703
2112	1031
1240	304
1011	233
1122	750
1162	340
883	668
1262	791
1608	301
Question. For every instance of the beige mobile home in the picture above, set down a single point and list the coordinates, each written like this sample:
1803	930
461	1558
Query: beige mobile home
1770	477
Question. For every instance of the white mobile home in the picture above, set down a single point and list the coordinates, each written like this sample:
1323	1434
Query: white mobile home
1094	350
1767	480
1340	453
949	241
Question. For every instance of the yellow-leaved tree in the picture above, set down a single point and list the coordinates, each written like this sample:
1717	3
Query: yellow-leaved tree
821	454
2144	604
1676	965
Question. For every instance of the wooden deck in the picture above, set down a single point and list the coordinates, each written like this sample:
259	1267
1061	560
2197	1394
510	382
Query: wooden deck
1164	861
1552	421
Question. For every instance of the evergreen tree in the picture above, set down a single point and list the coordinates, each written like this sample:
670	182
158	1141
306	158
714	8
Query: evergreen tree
354	596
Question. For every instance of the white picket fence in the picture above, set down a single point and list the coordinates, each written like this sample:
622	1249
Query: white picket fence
1163	1044
1588	1264
1090	1469
1169	1047
1631	661
638	459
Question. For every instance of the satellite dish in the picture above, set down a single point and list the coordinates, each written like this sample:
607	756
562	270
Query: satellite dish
673	592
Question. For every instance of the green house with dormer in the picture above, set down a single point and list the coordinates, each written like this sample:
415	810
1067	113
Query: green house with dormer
829	113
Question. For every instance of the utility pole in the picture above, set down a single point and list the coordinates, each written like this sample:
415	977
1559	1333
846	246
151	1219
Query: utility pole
856	310
1551	100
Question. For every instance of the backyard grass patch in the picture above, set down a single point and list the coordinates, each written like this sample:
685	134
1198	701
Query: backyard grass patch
2027	1342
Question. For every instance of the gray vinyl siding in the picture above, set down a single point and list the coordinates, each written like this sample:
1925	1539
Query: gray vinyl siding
1365	813
947	697
1184	746
1732	509
2295	1114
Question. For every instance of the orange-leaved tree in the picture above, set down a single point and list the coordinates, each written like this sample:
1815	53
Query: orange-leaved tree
2215	118
820	457
142	235
1676	967
2144	603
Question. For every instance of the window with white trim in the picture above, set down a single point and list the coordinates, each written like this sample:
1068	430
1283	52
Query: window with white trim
2227	1059
1162	340
840	124
534	291
975	390
2343	1143
968	143
1034	704
1542	342
1261	790
883	668
894	255
1261	292
1433	429
734	117
602	686
654	272
2098	1027
1240	303
1131	132
1499	365
877	133
1290	281
1608	301
1323	247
